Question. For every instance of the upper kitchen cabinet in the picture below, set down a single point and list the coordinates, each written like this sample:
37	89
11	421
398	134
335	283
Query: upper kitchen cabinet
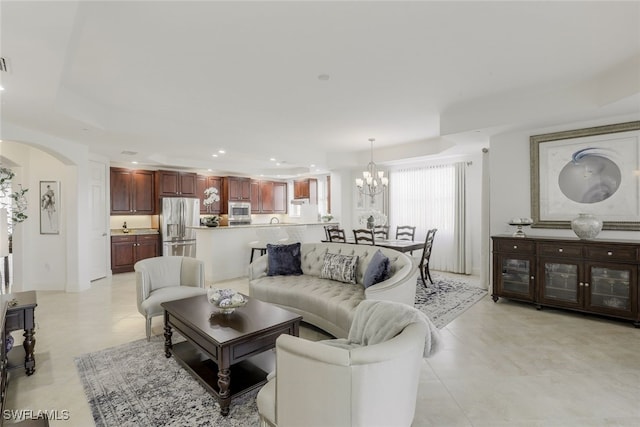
174	183
238	189
306	189
203	183
280	197
132	192
268	197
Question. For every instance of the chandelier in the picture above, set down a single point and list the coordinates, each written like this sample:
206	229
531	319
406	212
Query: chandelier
373	181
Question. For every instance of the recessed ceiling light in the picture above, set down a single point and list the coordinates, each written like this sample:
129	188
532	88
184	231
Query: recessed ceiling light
134	162
312	166
277	164
221	151
214	155
272	159
1	88
209	170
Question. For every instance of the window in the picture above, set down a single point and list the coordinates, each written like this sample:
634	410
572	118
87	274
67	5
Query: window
432	197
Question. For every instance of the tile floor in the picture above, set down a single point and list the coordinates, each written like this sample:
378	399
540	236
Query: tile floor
503	364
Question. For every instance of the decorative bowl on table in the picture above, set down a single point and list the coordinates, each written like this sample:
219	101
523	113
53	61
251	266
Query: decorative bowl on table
226	300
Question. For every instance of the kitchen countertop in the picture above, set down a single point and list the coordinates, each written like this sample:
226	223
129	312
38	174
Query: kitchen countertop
134	231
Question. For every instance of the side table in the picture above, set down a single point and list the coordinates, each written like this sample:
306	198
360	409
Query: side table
21	315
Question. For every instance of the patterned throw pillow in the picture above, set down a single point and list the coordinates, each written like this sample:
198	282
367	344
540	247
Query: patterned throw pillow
284	260
341	268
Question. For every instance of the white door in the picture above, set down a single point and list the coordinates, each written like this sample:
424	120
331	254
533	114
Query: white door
99	220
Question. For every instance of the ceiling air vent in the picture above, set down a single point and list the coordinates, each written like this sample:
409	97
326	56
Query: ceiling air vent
129	153
3	65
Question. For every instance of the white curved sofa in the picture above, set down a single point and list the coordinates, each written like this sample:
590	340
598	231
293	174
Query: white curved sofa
329	304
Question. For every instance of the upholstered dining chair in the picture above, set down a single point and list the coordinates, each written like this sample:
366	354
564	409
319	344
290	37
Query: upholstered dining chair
368	379
336	235
426	254
166	278
364	236
381	231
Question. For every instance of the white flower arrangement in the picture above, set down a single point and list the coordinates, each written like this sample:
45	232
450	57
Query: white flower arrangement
18	205
378	217
212	196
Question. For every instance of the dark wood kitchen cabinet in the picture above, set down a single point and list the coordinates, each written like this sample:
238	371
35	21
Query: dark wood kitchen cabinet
591	276
176	184
268	197
132	192
280	197
127	250
205	182
306	189
238	189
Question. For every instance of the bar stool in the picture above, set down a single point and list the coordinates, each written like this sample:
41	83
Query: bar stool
265	235
295	234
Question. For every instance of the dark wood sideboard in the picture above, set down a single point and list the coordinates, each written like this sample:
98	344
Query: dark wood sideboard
590	276
17	312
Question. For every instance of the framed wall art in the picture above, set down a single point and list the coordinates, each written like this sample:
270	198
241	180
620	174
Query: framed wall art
594	170
49	207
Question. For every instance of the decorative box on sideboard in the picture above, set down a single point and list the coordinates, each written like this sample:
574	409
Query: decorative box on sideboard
590	276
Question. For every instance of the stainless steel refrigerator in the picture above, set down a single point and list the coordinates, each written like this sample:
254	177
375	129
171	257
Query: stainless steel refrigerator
178	215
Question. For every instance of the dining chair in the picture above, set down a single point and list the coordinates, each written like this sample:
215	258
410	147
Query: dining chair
337	235
405	232
364	236
330	227
426	254
381	231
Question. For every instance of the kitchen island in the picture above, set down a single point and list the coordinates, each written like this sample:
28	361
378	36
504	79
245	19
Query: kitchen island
226	252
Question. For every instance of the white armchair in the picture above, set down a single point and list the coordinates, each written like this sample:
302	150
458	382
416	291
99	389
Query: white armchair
166	278
342	383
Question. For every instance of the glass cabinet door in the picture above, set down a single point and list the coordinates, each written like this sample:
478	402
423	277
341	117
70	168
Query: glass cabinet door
516	277
610	288
561	284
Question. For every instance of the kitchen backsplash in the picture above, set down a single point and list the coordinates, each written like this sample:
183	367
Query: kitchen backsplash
134	221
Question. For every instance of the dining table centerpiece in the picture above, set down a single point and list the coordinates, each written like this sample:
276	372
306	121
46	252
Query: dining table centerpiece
371	218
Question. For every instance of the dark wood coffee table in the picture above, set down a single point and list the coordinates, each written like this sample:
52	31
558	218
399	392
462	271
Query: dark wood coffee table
218	349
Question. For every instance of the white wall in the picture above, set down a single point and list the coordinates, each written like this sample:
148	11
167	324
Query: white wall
510	180
51	262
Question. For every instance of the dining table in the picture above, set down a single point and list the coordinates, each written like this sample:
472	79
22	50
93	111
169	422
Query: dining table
397	244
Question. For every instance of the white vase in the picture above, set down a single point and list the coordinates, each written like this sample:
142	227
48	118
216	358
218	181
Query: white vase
586	226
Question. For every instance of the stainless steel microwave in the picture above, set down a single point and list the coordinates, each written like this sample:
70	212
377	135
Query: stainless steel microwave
239	213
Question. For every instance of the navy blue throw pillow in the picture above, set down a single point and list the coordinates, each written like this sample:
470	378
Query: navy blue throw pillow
378	269
284	260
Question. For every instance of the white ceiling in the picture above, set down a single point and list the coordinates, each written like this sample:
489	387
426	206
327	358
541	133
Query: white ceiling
177	81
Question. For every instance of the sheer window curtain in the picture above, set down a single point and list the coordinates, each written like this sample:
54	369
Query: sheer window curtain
434	197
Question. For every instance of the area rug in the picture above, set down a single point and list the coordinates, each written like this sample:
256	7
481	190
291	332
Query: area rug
134	384
446	299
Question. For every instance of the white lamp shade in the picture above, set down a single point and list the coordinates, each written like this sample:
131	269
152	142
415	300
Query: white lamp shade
4	233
